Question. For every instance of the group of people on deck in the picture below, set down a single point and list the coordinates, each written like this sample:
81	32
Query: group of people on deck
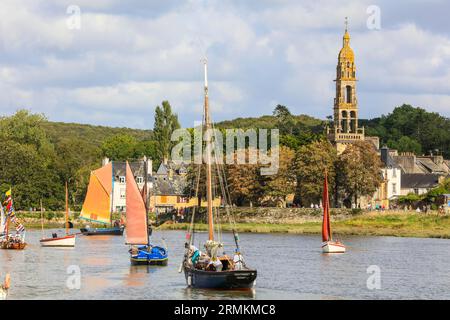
209	261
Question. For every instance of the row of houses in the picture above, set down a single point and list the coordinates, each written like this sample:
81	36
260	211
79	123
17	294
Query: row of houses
406	173
166	187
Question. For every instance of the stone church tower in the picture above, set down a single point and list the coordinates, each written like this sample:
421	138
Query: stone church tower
346	129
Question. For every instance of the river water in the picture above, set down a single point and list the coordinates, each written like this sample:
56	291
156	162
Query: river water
289	267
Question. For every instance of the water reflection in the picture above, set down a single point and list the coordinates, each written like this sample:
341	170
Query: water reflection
195	294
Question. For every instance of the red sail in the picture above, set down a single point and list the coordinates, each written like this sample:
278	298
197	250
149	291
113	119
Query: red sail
326	227
136	213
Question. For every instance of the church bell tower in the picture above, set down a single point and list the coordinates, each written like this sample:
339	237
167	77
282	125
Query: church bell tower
346	129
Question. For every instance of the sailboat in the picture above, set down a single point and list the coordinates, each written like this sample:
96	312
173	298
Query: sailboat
65	241
137	235
328	245
214	269
5	287
7	240
98	205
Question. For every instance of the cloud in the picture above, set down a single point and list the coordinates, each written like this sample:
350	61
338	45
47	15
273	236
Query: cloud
129	56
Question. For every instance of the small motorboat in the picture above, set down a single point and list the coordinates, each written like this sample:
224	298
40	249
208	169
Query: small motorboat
149	255
65	241
5	287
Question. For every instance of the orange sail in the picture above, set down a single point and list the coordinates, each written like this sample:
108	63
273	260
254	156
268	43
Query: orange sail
326	227
97	204
137	230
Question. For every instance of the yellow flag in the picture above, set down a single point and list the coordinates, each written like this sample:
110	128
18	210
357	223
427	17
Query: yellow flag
8	193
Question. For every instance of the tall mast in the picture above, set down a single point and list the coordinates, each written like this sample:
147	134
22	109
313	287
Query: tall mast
208	156
146	197
112	193
67	210
42	221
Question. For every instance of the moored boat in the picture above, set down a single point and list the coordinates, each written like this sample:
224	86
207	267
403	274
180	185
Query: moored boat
98	206
213	269
328	245
138	235
113	231
11	241
65	241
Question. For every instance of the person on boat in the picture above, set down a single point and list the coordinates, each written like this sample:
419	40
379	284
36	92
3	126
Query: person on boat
215	265
54	235
194	255
238	261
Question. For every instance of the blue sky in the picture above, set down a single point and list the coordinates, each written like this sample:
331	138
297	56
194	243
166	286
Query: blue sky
128	56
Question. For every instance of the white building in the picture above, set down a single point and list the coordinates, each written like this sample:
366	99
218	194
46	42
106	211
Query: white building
119	186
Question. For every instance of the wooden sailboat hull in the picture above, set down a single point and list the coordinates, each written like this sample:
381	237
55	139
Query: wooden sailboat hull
12	246
114	231
333	247
228	280
67	241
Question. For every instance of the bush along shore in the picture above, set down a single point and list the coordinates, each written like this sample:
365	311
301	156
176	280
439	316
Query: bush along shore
294	221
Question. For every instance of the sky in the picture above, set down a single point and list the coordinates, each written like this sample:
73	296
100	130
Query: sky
117	60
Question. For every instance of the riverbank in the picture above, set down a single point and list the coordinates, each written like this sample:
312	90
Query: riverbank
388	223
308	221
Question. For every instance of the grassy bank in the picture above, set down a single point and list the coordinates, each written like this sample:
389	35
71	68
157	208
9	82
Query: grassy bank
399	224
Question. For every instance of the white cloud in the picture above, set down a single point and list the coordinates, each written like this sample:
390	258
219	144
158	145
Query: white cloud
127	58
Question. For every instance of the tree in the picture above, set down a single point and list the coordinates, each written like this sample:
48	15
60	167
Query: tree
359	170
285	119
244	182
406	144
429	129
165	123
278	186
120	147
310	164
24	170
26	128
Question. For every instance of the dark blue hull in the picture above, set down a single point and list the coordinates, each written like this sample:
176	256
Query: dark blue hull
114	231
229	280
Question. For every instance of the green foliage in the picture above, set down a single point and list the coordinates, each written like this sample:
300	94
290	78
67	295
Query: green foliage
412	126
38	157
405	144
120	147
359	170
165	123
410	198
311	162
